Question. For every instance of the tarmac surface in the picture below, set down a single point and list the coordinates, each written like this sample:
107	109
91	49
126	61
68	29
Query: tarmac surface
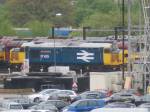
2	96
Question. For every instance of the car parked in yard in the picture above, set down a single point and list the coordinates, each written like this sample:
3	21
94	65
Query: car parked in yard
131	91
144	105
27	110
145	98
120	105
9	105
62	97
123	97
42	95
24	101
69	94
58	103
91	95
120	110
42	106
84	105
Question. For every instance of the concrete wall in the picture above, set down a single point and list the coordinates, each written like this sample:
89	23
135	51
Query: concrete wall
106	81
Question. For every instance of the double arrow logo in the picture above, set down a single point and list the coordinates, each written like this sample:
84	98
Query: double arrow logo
85	56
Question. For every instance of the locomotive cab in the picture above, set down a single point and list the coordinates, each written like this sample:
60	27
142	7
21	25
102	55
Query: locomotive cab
2	54
112	56
17	55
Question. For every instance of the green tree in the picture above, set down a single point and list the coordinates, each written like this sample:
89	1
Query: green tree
39	28
6	28
23	11
86	8
103	14
102	21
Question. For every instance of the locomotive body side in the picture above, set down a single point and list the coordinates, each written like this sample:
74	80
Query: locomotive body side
66	56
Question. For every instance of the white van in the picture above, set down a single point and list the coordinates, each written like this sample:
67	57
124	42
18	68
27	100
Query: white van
121	110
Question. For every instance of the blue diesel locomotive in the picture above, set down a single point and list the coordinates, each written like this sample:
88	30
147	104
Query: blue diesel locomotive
85	56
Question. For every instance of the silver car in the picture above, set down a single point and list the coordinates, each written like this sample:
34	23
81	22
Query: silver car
41	96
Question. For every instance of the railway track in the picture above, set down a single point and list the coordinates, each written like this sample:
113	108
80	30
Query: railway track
6	69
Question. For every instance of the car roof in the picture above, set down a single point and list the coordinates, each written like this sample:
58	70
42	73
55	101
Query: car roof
49	89
66	90
120	103
91	100
120	110
145	104
122	94
55	100
9	102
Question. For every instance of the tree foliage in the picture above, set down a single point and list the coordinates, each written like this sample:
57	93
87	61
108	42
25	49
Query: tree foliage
39	28
5	25
104	14
40	15
86	8
23	11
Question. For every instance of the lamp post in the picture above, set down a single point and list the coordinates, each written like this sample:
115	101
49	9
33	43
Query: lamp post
84	32
117	29
53	32
53	37
58	19
123	35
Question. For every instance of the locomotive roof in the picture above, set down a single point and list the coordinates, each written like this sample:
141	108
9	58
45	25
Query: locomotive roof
42	44
13	43
67	44
105	45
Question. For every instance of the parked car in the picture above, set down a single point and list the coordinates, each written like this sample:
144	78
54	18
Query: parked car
42	95
120	110
123	97
131	91
9	105
120	105
69	94
58	103
91	95
42	106
145	98
24	101
107	93
144	105
62	97
85	105
26	110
